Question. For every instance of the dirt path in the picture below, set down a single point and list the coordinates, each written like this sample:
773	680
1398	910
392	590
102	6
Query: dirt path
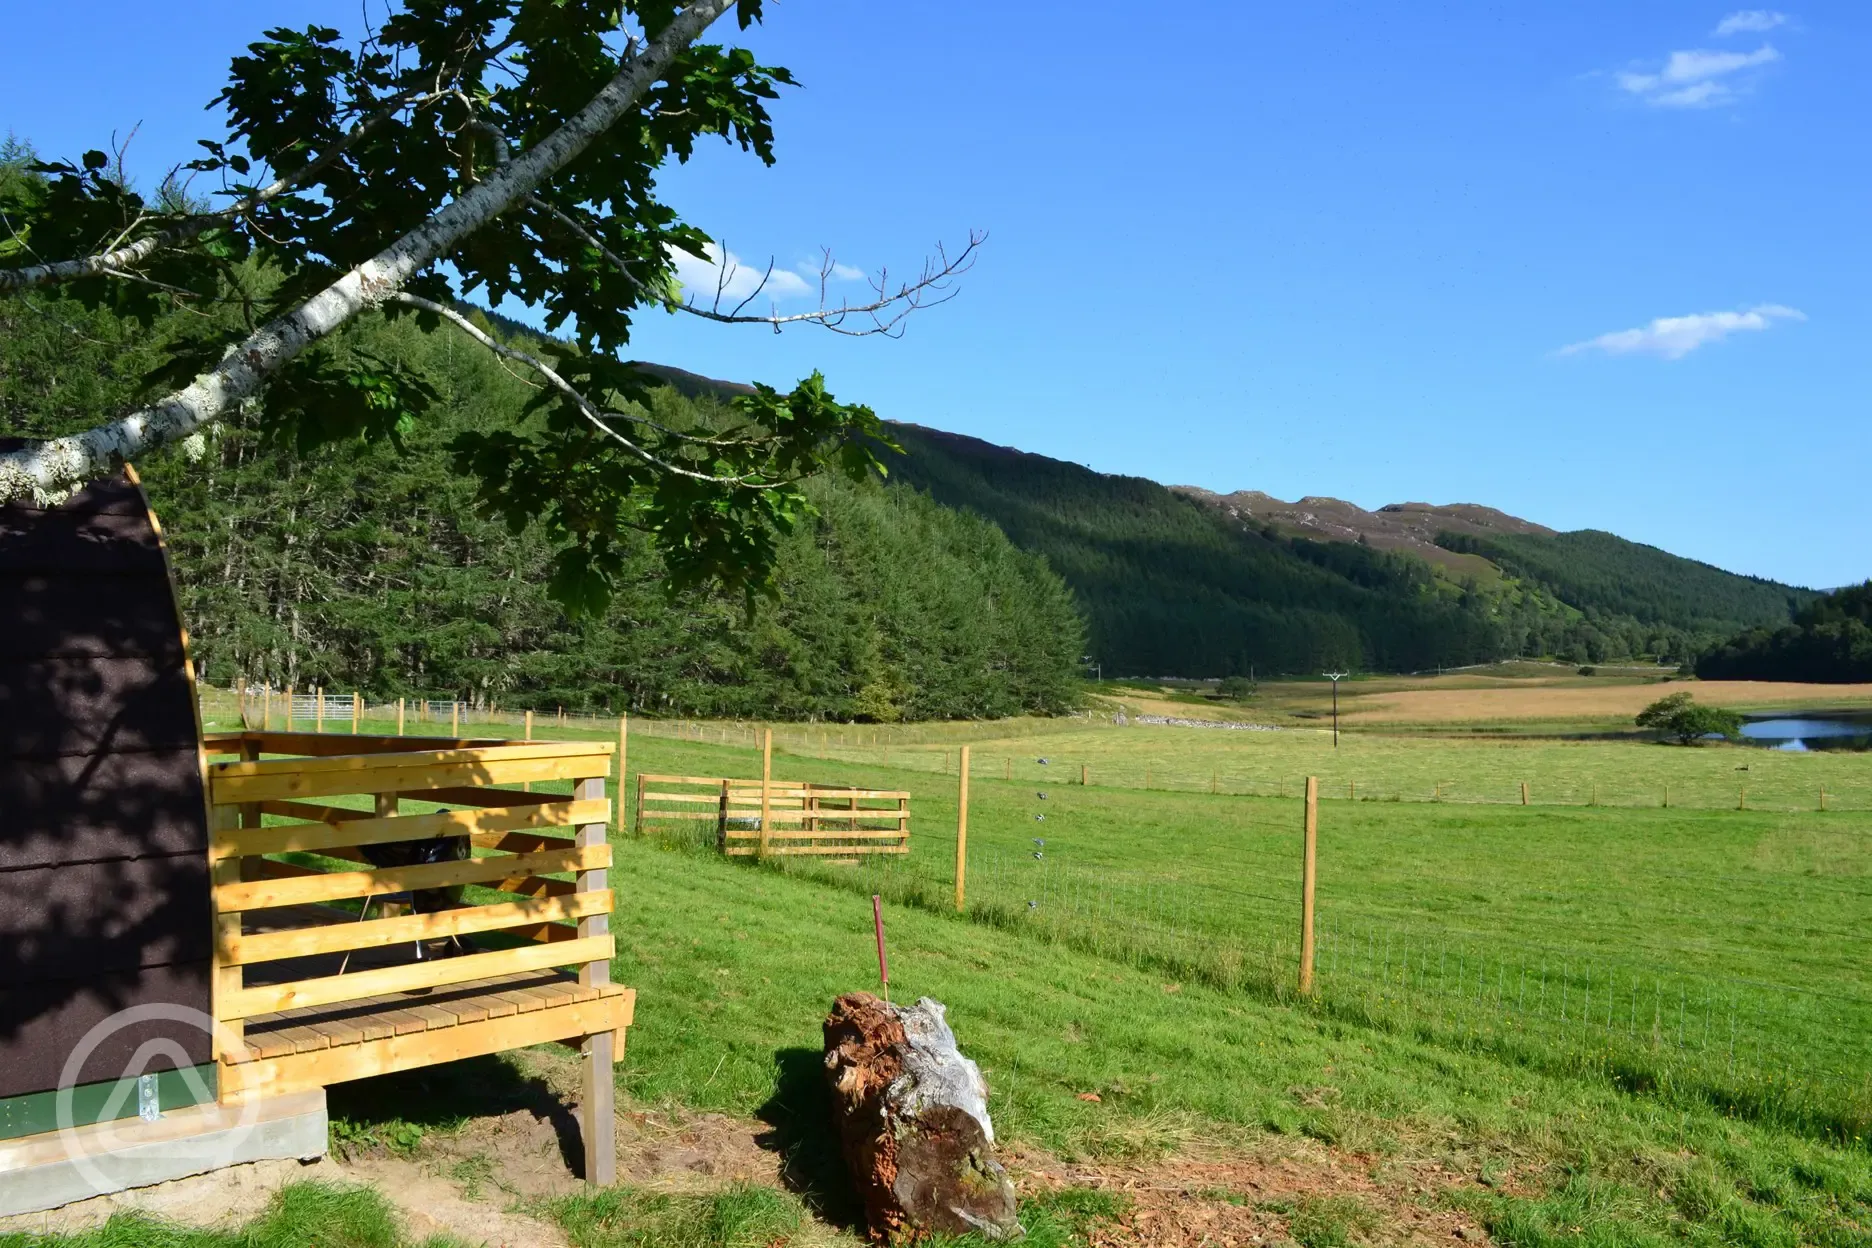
474	1184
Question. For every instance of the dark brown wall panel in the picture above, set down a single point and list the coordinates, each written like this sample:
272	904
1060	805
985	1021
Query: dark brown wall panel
54	613
88	808
104	892
42	1024
55	706
77	919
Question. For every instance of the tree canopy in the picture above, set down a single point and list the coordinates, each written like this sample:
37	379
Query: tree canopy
1681	716
460	150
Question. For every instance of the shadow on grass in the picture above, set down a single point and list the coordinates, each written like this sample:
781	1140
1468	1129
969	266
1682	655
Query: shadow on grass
395	1111
800	1130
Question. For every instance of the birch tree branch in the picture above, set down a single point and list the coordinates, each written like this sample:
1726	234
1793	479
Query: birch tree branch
116	261
53	468
886	312
598	418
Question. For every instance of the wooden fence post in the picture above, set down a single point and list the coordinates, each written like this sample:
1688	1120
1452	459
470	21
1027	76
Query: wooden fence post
1524	793
266	708
962	831
1307	867
1742	800
1085	775
455	719
623	748
318	723
529	725
598	1113
1007	769
1823	797
357	710
243	705
766	789
399	717
289	708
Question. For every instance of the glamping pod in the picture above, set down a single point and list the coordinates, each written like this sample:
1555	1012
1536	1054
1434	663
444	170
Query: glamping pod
104	893
200	932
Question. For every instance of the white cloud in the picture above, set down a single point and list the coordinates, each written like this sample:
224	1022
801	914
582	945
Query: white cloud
840	272
1674	337
1697	77
737	279
1750	21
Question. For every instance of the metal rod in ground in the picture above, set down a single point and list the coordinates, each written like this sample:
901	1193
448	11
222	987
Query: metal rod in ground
877	921
1310	839
961	872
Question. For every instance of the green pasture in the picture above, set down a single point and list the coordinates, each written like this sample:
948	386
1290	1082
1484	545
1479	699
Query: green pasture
1659	1015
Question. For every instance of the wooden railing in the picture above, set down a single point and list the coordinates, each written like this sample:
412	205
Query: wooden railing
802	818
292	913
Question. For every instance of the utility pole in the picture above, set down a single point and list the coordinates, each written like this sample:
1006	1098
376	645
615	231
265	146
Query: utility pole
1335	677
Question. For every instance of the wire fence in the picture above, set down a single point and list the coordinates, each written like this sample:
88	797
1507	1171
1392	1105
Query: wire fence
1769	1050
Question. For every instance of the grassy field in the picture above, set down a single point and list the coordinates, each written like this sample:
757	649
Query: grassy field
1654	1018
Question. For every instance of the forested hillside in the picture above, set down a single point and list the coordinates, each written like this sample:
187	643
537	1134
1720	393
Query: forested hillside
1604	572
1172	584
369	567
1830	640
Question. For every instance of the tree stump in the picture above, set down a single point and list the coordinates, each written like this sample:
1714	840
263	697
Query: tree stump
912	1116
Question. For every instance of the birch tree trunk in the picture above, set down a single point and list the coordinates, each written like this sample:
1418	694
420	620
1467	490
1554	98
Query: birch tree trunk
52	469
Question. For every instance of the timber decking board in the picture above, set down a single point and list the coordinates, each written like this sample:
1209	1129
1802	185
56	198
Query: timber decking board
376	1018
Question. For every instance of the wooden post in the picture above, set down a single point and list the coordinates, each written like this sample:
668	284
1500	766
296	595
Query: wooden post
529	725
318	713
1524	792
1007	769
623	746
1595	793
1742	801
357	710
1307	869
228	977
455	719
1085	775
766	787
289	708
1667	797
1823	797
243	705
1351	790
962	831
266	708
399	717
598	1114
1212	782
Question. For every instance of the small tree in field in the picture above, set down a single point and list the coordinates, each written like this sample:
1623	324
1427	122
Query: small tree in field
463	151
1680	716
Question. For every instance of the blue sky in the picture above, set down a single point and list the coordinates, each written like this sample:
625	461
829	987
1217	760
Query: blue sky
1598	264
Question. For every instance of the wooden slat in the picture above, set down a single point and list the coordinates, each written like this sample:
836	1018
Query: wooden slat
653	815
534	886
317	812
301	1071
843	851
710	798
822	834
376	933
714	780
363	828
520	842
337	885
331	989
325	745
464	795
392	774
439	753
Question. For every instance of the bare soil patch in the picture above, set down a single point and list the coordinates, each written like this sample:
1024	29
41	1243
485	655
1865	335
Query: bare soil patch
1285	1192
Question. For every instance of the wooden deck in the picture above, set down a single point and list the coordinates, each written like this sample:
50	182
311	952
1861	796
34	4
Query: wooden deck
292	1050
311	988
